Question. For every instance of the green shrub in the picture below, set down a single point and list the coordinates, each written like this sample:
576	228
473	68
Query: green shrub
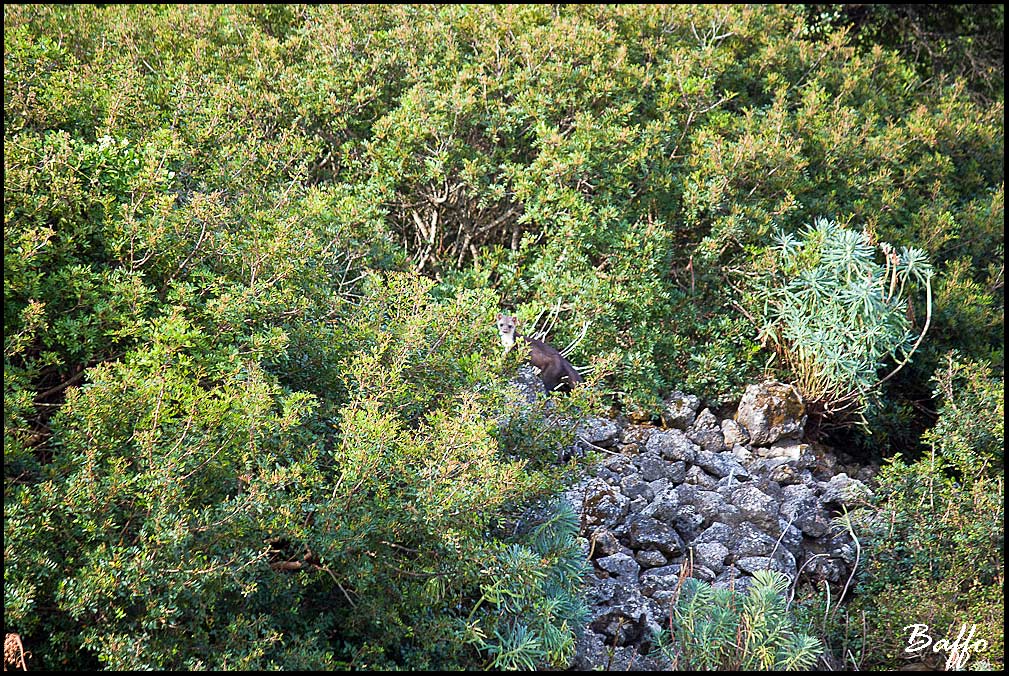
196	514
941	40
834	316
934	538
722	629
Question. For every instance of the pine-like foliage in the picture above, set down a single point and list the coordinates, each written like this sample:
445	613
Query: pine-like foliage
721	629
530	609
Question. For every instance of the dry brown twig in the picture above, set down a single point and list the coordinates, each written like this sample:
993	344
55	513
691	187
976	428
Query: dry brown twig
14	653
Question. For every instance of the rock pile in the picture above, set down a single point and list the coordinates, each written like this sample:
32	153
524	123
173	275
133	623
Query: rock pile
713	499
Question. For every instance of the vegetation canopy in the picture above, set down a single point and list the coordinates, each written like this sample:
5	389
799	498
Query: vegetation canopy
255	411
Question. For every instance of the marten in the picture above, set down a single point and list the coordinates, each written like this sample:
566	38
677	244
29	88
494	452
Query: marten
556	372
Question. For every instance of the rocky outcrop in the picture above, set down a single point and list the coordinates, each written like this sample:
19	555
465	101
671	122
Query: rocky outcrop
712	499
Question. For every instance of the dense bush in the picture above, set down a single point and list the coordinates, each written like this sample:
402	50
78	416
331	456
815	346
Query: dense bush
942	41
194	517
933	548
252	255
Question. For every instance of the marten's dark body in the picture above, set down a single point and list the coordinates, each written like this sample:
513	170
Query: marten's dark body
556	372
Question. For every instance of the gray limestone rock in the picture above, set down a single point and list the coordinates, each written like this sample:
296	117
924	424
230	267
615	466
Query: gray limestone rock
603	504
844	490
601	432
802	508
651	558
734	434
603	543
756	506
671	445
679	410
621	566
711	555
664	506
647	533
663	579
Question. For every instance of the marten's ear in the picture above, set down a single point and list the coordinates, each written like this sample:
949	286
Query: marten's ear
499	316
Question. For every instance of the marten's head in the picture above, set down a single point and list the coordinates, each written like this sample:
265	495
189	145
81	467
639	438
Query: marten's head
506	327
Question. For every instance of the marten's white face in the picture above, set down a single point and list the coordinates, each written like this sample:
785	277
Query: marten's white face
506	327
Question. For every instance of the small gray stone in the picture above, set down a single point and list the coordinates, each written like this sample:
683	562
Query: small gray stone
844	490
651	558
709	440
648	533
677	471
653	467
783	564
712	463
791	537
598	431
711	555
663	579
621	566
716	532
660	486
733	434
751	564
789	449
603	543
633	487
604	505
663	507
711	506
671	445
756	506
687	521
731	578
697	476
800	506
679	410
751	541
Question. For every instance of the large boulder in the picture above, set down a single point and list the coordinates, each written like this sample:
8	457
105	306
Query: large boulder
771	411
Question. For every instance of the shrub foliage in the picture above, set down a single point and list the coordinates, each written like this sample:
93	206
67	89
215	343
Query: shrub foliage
252	256
935	536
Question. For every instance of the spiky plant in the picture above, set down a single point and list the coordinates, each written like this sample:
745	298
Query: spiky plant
530	609
722	629
835	317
